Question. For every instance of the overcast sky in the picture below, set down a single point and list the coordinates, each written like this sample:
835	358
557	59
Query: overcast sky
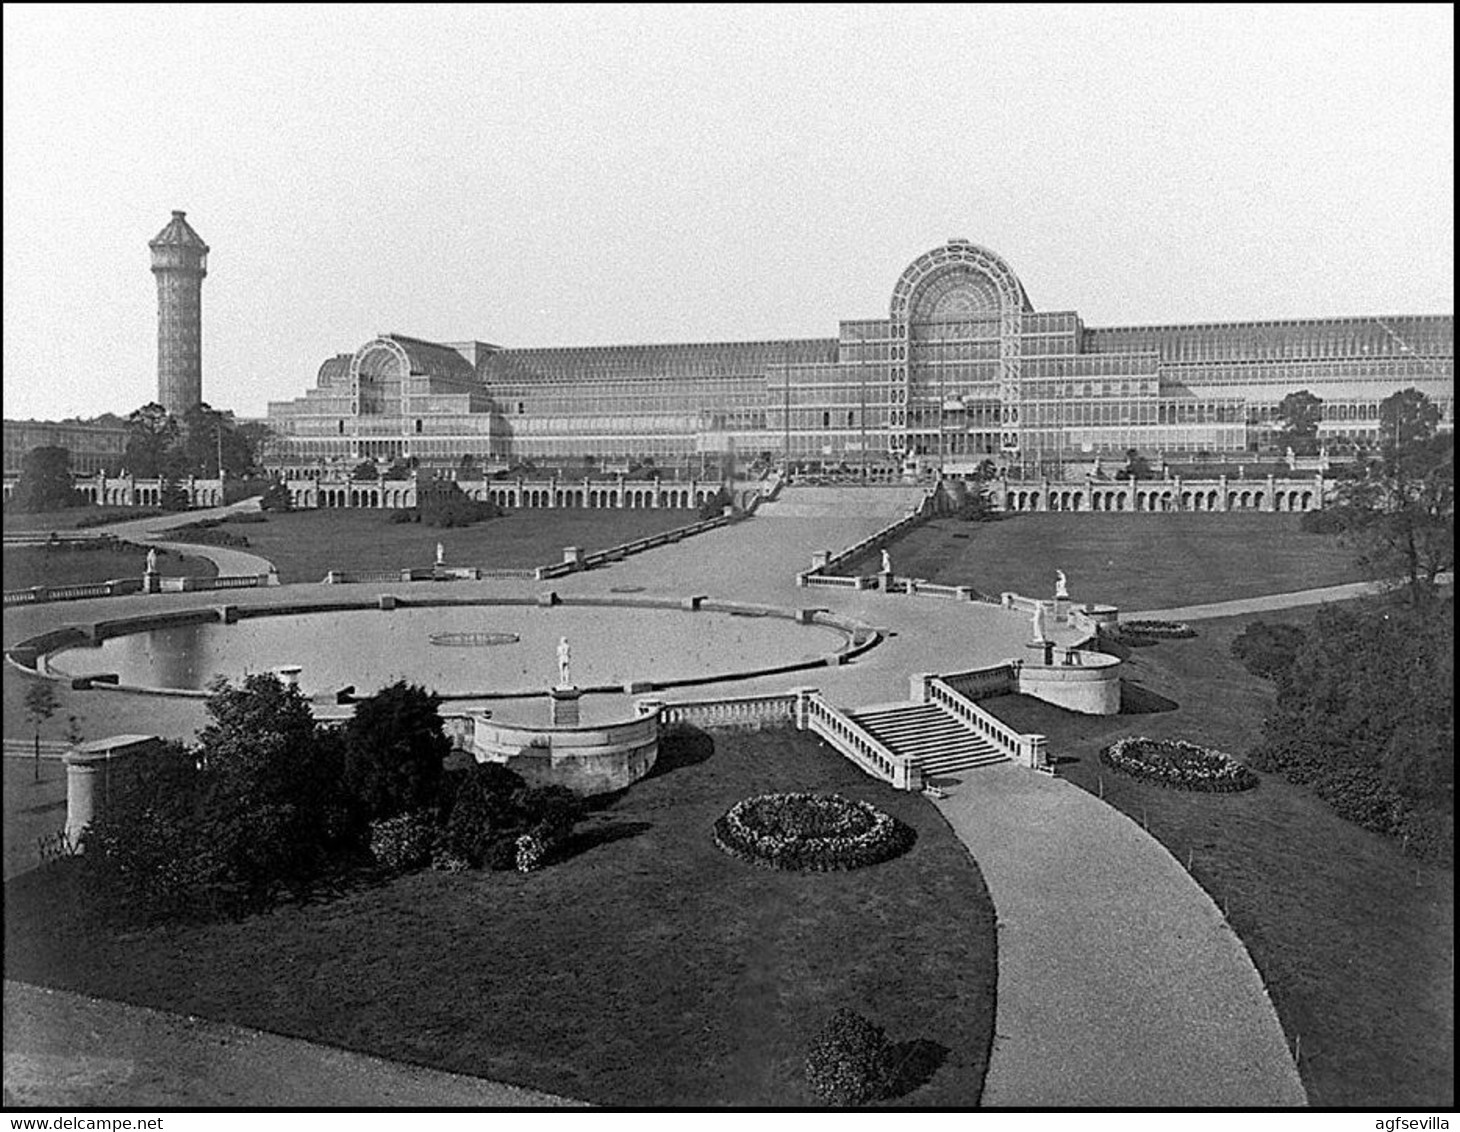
581	176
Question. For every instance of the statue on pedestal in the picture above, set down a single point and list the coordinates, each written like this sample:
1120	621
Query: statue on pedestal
565	660
1060	588
152	560
440	554
886	562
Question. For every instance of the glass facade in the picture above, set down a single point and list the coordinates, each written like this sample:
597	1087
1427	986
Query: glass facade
962	369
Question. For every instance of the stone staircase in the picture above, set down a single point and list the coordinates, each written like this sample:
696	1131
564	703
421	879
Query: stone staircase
936	738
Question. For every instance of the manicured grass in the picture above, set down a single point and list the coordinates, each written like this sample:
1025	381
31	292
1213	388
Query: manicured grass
306	545
1354	940
61	566
650	969
1139	561
66	519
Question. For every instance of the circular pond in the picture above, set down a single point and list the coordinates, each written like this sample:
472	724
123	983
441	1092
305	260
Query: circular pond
369	649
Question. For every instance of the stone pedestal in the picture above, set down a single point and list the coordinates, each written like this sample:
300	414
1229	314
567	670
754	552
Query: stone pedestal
288	674
648	705
151	582
819	559
1046	649
86	770
565	706
573	556
1062	610
885	581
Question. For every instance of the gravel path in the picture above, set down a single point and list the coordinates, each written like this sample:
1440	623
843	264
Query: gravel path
1268	602
1120	983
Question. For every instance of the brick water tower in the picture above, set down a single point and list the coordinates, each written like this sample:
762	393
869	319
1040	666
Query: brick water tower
179	260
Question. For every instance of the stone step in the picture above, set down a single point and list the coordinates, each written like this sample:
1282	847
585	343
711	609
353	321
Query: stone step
937	740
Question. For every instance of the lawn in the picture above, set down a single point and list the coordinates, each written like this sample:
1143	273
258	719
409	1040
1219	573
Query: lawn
68	518
93	562
1354	940
1133	561
306	545
650	969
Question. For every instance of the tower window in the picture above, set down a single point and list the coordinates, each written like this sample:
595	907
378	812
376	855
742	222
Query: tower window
418	424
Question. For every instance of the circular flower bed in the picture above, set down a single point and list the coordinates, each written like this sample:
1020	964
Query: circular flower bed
1172	629
810	832
1178	764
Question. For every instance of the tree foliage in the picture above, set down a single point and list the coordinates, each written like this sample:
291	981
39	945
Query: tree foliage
394	748
1268	650
45	481
161	444
1400	514
444	504
1365	712
1300	414
152	436
276	497
1137	467
494	806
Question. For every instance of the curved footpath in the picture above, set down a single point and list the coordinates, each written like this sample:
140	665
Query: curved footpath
1120	984
228	560
1268	603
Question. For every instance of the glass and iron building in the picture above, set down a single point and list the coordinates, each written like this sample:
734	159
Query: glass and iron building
962	369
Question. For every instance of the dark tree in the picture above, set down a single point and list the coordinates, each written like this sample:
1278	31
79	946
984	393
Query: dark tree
40	704
1137	467
365	470
1300	414
152	435
45	482
277	809
276	497
207	434
1401	515
394	747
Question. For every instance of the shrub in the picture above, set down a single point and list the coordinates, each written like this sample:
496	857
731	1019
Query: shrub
404	842
145	850
810	832
1178	764
1268	650
848	1063
406	515
245	517
495	811
715	504
1329	521
446	505
1160	630
116	516
276	497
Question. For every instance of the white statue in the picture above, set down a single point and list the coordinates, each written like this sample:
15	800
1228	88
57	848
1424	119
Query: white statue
886	562
1060	588
1039	637
440	554
152	561
565	658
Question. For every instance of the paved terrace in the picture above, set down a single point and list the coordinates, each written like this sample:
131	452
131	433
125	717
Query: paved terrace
1119	982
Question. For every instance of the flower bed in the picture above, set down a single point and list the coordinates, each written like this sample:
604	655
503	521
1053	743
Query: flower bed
1167	629
1178	764
810	832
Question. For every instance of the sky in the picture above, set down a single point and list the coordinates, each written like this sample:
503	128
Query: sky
560	176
